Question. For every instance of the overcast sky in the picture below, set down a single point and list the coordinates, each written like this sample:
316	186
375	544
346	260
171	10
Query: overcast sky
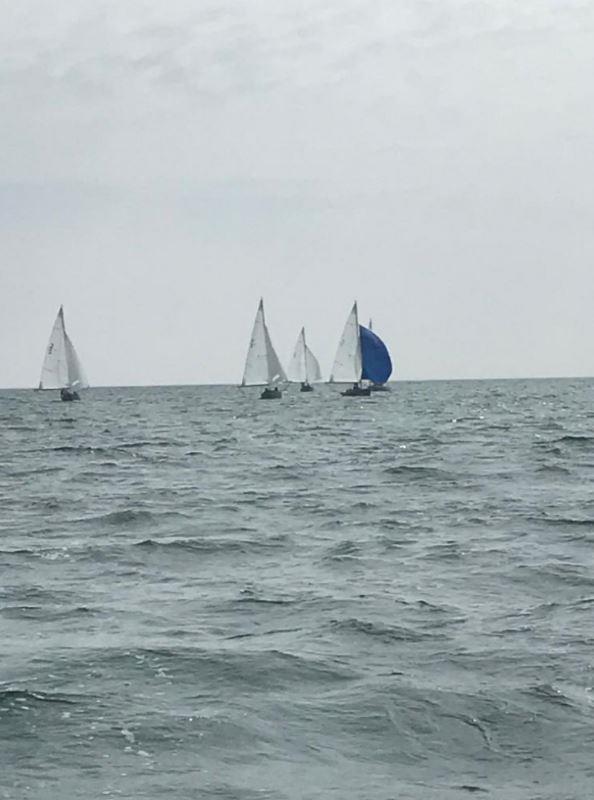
163	164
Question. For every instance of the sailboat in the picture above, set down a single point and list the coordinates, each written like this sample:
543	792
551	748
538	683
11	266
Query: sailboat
361	357
304	367
262	365
377	387
61	366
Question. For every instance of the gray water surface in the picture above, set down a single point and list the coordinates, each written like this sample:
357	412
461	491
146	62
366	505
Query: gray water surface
203	595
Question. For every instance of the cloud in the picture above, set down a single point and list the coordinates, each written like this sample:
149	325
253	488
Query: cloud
229	48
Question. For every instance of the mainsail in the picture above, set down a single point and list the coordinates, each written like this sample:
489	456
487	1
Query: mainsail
262	365
348	364
304	366
61	366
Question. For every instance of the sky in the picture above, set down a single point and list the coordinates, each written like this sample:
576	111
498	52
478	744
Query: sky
163	165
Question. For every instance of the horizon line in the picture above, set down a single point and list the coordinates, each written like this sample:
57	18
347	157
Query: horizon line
238	385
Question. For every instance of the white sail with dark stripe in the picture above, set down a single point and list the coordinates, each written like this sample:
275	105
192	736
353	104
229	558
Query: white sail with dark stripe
61	368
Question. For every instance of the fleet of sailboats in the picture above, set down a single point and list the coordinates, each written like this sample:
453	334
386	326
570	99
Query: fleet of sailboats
362	360
62	368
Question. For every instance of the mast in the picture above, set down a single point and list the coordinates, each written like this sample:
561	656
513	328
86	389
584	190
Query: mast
359	353
304	353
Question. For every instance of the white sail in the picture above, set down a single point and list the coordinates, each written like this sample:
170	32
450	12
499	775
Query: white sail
312	366
347	364
61	366
276	372
262	365
297	370
304	367
76	374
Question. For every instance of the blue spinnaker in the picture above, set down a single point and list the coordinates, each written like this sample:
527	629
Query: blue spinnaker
377	365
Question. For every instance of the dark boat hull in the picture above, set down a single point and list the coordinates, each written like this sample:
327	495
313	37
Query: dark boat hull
271	394
358	391
306	387
67	395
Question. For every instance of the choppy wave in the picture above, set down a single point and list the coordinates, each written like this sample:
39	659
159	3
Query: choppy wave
212	545
565	522
22	699
45	613
379	630
577	440
131	517
410	472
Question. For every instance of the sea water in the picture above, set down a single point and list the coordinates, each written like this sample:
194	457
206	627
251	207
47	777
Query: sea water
205	595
